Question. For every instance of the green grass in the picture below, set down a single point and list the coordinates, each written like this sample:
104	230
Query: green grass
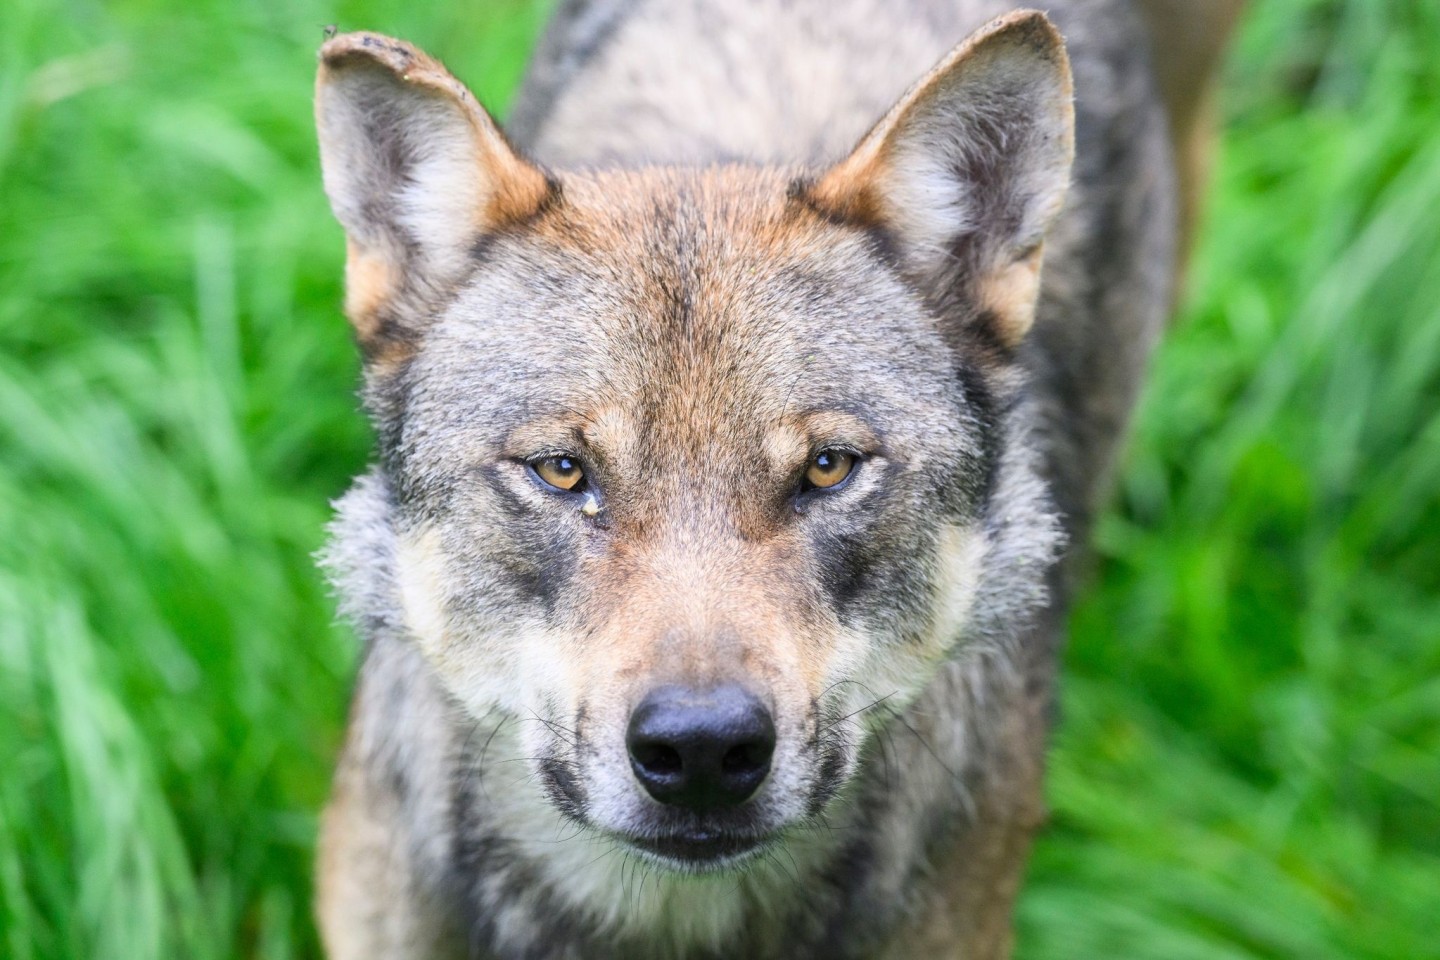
1249	764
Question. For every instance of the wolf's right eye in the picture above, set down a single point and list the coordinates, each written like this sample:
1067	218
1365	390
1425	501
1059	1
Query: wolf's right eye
563	473
828	468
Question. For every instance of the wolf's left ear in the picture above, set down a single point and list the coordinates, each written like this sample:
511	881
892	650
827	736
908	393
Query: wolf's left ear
416	172
968	170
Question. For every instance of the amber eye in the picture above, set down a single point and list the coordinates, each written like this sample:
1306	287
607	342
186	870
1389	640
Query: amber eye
562	473
828	468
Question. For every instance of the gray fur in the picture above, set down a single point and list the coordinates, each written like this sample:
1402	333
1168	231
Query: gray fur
740	81
918	851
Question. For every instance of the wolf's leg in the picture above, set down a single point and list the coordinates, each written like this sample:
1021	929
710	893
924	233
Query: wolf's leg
386	873
372	902
975	877
969	916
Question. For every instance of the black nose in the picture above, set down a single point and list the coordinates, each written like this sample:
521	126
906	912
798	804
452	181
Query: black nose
701	751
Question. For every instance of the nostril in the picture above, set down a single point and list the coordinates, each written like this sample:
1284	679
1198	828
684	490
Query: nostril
657	759
747	757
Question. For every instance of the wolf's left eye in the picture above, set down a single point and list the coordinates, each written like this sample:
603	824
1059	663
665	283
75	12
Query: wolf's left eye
563	473
828	468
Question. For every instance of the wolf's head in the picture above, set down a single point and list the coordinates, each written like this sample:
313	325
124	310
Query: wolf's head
695	473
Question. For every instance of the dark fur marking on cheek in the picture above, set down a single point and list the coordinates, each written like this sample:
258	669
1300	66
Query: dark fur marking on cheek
482	251
865	558
845	565
398	781
552	554
538	560
541	572
523	556
563	787
510	504
827	779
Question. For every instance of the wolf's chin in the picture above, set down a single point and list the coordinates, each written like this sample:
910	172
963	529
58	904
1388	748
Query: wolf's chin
701	852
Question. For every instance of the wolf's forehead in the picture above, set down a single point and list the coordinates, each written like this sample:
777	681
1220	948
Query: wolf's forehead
686	268
701	258
668	293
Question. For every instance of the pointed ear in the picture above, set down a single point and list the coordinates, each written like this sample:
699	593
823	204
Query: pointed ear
968	170
416	172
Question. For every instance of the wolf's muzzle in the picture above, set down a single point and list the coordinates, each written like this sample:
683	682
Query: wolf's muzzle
701	751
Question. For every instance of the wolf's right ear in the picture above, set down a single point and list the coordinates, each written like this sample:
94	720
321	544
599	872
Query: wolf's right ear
416	172
968	171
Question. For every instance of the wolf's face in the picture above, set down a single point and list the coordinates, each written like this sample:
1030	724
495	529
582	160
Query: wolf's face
684	448
692	468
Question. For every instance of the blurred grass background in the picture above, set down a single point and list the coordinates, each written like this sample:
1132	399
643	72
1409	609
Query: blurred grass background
1249	763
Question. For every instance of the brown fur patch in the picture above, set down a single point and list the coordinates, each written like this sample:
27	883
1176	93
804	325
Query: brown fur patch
369	282
849	189
879	186
511	190
1009	294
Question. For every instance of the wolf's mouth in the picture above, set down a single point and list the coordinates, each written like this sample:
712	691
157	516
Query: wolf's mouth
701	850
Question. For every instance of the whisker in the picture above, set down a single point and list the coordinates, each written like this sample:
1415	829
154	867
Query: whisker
869	706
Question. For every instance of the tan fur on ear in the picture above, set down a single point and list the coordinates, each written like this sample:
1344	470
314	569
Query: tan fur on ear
369	282
416	172
974	160
1009	294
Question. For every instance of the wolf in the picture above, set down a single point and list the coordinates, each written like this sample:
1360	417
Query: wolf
741	414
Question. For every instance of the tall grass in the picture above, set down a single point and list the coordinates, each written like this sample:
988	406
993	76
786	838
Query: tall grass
1249	762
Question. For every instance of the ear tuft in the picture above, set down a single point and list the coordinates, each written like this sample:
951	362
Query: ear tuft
416	172
969	169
